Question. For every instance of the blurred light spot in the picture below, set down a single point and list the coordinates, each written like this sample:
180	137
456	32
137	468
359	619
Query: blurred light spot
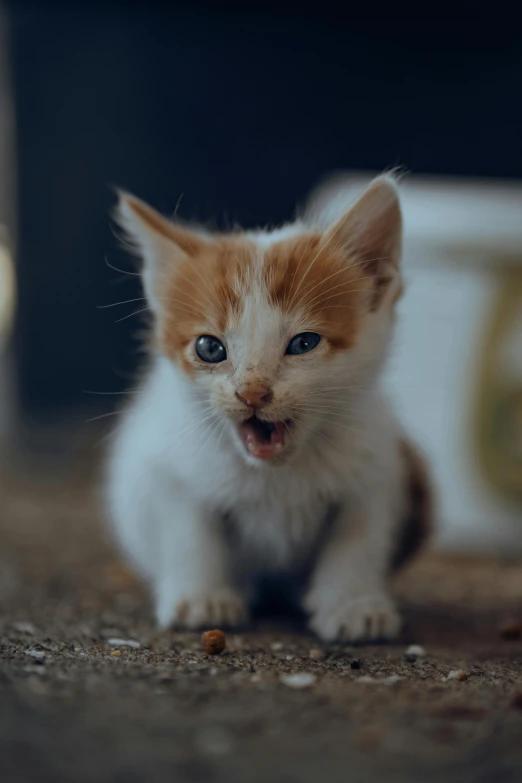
7	293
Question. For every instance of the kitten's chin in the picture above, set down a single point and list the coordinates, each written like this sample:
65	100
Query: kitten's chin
265	441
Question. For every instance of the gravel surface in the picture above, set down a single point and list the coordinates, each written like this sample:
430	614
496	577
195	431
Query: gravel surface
89	691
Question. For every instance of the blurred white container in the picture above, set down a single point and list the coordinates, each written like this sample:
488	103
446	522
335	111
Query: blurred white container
458	352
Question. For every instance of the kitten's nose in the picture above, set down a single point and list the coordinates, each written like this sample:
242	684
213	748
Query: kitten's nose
255	398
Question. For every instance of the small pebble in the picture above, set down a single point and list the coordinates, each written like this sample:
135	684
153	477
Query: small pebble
299	680
276	646
289	657
23	627
213	642
458	674
35	653
124	643
115	653
414	652
393	678
316	655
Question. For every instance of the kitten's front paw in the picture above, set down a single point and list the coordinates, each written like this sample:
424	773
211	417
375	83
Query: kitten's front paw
222	607
356	619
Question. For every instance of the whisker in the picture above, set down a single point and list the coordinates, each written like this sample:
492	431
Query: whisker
103	416
136	312
173	300
121	271
347	268
340	306
297	267
125	301
312	429
318	301
359	387
328	408
334	423
210	429
336	401
196	270
178	203
314	259
210	302
333	288
194	424
116	393
327	390
220	436
180	307
309	290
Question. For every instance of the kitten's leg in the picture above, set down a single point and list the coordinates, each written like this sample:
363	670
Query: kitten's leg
348	598
192	587
177	545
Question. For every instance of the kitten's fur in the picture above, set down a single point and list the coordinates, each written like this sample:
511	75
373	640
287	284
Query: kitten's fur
200	517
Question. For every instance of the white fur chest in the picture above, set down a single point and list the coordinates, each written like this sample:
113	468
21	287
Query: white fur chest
271	536
276	512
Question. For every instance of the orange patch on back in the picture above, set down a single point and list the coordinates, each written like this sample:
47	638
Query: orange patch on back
417	524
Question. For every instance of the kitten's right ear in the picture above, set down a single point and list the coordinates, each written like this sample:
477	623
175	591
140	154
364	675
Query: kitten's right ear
159	242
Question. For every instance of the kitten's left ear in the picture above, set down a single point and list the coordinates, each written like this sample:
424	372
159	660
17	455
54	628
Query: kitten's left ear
161	243
372	227
371	231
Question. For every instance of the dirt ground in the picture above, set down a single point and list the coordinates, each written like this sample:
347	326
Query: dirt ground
77	706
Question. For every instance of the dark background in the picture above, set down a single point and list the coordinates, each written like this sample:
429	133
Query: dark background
239	110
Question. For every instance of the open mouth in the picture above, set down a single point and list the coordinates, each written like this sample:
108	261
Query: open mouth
263	439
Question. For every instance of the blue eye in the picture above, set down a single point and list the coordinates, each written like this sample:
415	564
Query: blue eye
303	343
210	349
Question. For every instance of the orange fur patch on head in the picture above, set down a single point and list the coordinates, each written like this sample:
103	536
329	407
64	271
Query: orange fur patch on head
327	280
306	275
202	293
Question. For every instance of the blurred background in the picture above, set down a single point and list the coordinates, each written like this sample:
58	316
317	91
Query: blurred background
239	112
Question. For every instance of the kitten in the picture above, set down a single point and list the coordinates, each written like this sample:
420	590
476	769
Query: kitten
260	443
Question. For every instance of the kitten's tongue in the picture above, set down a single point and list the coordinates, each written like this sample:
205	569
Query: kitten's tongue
263	439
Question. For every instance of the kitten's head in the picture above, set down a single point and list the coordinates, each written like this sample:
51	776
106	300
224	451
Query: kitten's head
278	331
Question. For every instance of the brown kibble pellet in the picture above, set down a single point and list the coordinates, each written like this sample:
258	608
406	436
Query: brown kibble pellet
214	642
115	653
458	674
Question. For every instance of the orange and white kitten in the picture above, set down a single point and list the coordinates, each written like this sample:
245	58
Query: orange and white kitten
260	444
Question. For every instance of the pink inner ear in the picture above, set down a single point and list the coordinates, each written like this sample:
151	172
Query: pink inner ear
372	228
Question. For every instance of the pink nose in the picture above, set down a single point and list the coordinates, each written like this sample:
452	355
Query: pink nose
255	398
